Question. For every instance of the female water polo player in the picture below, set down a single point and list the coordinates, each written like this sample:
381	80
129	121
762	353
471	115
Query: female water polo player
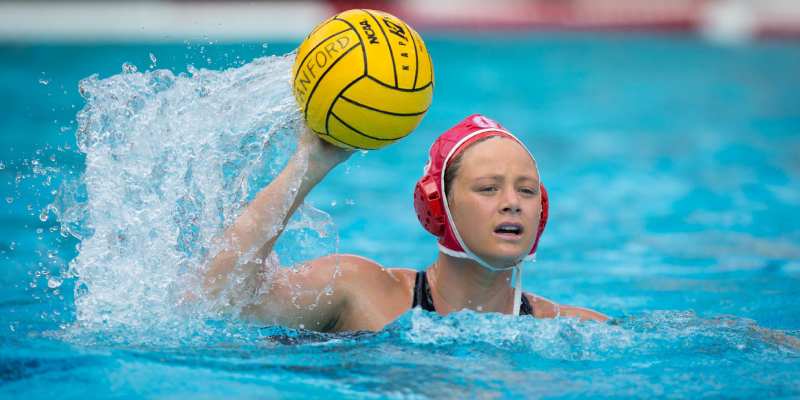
481	196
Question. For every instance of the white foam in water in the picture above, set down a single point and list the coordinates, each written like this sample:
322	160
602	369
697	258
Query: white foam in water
169	161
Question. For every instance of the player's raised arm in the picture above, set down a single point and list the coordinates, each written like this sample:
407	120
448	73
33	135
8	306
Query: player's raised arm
261	222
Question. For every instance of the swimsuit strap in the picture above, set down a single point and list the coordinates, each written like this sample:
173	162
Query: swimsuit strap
422	296
422	293
525	308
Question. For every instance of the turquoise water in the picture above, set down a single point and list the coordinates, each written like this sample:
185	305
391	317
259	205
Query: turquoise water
671	166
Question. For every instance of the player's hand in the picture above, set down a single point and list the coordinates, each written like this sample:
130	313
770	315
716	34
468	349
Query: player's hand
322	156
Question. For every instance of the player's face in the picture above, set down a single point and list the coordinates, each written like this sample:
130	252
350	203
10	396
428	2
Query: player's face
496	202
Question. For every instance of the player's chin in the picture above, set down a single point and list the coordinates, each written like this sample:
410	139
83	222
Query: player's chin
506	256
513	251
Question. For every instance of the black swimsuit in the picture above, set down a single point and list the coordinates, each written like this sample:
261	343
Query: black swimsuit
422	296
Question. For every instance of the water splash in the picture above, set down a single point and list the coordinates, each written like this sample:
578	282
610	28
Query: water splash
170	161
680	336
660	354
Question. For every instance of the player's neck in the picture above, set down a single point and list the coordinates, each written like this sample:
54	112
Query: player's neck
460	283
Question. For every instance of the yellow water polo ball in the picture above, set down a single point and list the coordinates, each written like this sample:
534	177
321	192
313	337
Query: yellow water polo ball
364	79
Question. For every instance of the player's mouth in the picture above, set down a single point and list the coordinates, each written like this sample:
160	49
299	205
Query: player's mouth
509	230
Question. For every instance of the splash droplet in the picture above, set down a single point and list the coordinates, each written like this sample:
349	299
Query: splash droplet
153	58
44	82
128	68
54	282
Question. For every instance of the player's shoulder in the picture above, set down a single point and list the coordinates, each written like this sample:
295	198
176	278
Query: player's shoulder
365	274
542	307
546	308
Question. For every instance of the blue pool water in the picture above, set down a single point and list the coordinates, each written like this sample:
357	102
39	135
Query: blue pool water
672	167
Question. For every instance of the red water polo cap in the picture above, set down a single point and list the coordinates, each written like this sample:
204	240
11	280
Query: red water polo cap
429	197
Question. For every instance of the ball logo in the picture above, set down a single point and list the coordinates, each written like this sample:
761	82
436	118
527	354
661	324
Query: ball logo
484	122
369	32
396	29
